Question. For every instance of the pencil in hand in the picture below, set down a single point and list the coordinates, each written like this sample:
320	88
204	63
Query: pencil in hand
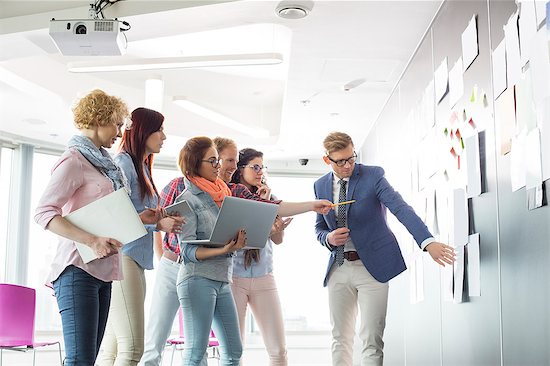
342	203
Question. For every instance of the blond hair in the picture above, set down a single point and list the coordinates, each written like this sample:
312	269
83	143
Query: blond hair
336	141
223	143
99	109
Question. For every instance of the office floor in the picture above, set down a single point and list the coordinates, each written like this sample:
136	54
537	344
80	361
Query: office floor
303	350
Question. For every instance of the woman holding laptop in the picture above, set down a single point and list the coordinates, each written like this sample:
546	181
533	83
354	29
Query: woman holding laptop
205	273
253	280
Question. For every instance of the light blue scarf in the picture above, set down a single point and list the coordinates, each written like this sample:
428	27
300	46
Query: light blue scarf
100	159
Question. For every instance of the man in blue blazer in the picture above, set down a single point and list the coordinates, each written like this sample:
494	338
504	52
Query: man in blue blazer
364	252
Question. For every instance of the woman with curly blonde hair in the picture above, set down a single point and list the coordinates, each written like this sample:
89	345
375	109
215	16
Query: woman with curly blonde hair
84	173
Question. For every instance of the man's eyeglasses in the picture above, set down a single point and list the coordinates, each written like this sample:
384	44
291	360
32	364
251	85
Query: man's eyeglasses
214	162
256	167
342	162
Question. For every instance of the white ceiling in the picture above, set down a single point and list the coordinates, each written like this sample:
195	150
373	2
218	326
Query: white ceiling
339	42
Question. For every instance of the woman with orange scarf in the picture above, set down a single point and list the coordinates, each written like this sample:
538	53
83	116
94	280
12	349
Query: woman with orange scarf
205	274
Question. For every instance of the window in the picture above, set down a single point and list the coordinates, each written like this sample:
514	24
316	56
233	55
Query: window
6	155
42	249
300	262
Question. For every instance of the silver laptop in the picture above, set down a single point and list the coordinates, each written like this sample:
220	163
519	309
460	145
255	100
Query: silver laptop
255	217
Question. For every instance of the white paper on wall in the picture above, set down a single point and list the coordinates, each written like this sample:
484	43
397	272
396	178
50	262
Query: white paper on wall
459	236
470	47
527	28
474	275
441	78
458	275
517	162
456	83
533	162
473	166
447	283
540	10
526	116
513	58
539	68
499	69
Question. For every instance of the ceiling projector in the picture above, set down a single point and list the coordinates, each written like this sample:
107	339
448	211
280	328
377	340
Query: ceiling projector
88	37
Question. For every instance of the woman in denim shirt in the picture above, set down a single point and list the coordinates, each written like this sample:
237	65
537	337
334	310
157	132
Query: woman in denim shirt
253	280
124	336
205	273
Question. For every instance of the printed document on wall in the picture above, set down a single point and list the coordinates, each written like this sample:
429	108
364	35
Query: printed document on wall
112	216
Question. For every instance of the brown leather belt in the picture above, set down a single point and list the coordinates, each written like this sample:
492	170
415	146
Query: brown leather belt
351	256
171	256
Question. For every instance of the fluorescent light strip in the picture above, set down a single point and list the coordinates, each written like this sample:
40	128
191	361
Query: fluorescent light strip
220	118
177	62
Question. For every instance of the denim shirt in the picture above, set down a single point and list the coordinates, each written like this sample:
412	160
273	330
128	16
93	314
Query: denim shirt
256	269
140	250
199	225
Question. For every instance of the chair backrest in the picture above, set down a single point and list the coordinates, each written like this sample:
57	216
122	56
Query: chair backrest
17	307
213	341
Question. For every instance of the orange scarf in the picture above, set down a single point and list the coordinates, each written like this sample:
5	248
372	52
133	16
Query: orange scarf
217	190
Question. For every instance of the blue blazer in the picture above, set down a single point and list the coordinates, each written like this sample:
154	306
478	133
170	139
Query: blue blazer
376	245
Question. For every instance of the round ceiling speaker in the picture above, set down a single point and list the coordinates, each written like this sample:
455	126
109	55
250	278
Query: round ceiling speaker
293	10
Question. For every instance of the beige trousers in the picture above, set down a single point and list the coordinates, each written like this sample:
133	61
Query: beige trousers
124	339
262	296
351	285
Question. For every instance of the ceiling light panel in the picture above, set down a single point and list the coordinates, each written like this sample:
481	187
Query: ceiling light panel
176	62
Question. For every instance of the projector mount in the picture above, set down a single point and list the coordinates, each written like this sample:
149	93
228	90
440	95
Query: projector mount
96	12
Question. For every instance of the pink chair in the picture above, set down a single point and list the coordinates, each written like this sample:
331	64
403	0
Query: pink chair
17	307
213	344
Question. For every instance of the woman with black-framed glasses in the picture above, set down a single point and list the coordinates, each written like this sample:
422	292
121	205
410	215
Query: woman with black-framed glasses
253	280
204	274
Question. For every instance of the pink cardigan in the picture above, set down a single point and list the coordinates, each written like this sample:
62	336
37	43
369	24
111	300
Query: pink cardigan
75	183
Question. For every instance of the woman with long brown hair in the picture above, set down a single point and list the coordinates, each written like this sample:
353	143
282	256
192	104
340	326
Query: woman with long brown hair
124	337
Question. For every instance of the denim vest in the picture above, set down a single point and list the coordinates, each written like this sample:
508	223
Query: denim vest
199	225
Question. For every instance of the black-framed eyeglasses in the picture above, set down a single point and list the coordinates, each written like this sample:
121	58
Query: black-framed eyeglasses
342	162
214	162
256	167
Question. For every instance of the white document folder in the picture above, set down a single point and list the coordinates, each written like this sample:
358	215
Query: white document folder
113	216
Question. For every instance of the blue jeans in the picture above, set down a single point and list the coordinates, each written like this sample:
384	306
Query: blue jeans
83	302
209	304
